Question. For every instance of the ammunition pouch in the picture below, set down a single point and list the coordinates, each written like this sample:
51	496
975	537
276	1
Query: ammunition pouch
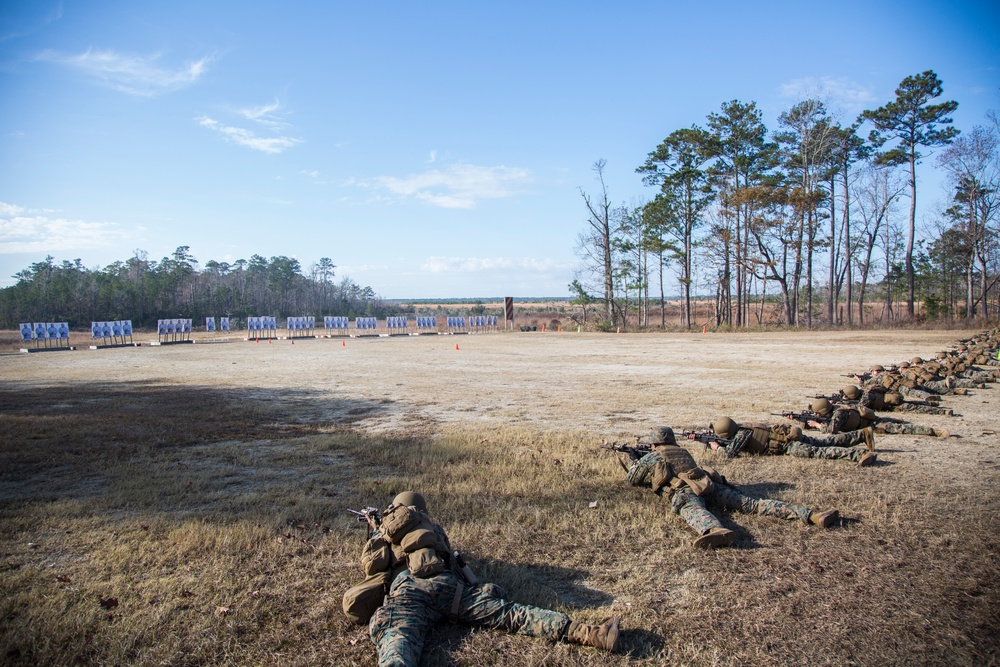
782	434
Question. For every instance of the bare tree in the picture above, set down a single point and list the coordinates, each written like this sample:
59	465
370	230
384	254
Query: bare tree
973	165
596	242
876	192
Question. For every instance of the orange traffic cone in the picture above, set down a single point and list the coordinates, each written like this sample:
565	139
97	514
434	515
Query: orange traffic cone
704	328
456	346
343	343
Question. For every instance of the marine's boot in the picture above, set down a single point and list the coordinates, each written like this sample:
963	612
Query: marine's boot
869	433
867	460
603	636
941	433
824	519
716	537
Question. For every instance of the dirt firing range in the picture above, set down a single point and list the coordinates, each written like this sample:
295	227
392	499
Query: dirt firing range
612	386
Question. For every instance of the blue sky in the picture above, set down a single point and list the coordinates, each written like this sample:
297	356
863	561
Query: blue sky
430	150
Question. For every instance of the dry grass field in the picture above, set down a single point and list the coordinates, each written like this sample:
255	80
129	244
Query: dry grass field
185	505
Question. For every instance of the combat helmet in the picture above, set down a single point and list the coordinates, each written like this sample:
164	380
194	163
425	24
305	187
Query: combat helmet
410	499
903	364
724	427
662	435
941	355
916	360
851	392
822	406
877	368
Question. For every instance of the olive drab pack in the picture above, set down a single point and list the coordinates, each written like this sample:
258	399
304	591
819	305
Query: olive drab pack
423	545
760	435
376	556
853	420
419	538
399	520
424	562
697	480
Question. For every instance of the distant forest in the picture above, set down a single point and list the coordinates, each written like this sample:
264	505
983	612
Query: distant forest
819	214
143	290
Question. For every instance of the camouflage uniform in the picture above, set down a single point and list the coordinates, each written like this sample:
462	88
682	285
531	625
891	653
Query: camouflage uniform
904	428
880	400
805	448
398	627
843	420
789	440
433	587
692	508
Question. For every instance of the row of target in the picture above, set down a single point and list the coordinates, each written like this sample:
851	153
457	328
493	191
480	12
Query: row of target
171	327
43	331
300	323
474	321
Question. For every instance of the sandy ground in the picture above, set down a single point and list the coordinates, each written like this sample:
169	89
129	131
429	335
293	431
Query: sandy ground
607	384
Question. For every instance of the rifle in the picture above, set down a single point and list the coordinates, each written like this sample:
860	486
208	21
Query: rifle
635	452
706	437
369	515
803	417
833	398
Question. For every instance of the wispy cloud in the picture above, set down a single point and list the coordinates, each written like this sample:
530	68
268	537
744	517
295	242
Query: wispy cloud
268	115
245	137
849	94
27	231
486	264
458	186
133	74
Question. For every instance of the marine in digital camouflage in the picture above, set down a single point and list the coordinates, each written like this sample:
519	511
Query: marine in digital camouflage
399	627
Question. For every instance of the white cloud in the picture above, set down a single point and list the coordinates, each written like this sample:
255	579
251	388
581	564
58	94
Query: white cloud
267	115
132	74
26	231
478	265
458	186
840	90
244	137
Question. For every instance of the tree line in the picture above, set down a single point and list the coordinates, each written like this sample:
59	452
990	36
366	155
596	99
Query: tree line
143	290
802	225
